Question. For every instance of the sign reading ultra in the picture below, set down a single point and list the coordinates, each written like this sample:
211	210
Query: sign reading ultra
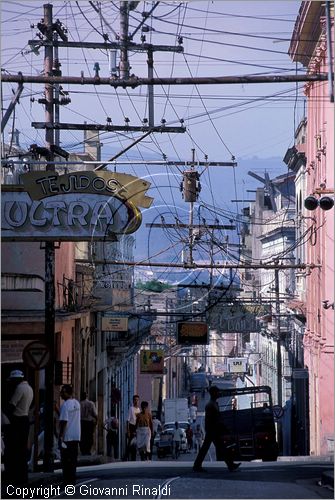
80	206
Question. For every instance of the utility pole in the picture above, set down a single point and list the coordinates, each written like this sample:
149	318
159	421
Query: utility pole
151	89
49	329
134	81
279	358
190	186
191	190
124	39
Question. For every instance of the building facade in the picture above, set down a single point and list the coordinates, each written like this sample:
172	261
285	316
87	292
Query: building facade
313	29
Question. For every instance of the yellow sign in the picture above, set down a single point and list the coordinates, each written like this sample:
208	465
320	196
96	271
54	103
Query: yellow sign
124	186
151	361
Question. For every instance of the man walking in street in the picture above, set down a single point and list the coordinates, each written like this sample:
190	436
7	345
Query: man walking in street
69	434
212	414
19	404
88	421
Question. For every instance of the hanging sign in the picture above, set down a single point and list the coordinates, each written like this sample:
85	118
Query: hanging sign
81	206
237	365
114	324
192	332
151	361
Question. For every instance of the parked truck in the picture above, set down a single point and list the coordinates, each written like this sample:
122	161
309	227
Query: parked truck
176	410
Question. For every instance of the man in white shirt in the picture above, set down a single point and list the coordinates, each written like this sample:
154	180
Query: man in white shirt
19	404
69	434
131	427
176	440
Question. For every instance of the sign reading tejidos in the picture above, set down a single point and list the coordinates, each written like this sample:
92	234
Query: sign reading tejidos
81	206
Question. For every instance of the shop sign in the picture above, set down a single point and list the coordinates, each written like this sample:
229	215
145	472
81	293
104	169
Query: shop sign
237	365
239	318
81	206
151	361
114	324
192	332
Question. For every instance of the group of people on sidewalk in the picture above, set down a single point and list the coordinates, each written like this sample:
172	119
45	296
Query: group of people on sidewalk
76	428
73	426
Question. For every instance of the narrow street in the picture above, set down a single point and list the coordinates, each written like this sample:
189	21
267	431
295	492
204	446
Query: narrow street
167	249
280	480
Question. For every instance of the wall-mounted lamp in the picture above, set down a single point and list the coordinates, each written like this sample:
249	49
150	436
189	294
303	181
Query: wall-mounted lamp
325	203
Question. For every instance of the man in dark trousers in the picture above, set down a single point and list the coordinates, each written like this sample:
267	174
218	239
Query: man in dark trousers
69	434
88	421
212	414
111	425
19	404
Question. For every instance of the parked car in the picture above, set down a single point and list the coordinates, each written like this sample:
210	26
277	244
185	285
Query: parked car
163	440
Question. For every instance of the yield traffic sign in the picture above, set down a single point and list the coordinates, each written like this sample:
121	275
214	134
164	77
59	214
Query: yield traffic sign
278	411
36	355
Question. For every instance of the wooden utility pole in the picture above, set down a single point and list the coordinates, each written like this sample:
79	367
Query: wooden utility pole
190	187
124	40
279	358
134	82
49	322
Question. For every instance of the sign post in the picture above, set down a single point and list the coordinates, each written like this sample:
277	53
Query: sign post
36	355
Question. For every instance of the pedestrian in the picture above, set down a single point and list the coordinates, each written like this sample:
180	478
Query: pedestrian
212	414
176	440
189	437
111	425
198	438
193	412
88	421
131	428
5	428
40	440
17	439
144	431
69	434
156	427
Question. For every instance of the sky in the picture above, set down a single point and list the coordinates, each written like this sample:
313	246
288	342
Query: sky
253	123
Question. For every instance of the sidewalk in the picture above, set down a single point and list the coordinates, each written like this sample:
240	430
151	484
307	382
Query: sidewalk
327	478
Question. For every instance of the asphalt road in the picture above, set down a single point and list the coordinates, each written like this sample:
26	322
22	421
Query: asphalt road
176	480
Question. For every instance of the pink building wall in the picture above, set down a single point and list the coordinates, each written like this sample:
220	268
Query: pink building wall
319	334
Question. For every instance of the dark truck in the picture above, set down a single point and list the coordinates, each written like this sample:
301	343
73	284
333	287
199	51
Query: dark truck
247	433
